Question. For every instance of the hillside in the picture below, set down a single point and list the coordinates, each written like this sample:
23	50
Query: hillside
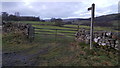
109	17
104	18
110	20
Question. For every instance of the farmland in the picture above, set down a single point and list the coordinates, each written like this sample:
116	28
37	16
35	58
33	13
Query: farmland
49	25
60	33
49	49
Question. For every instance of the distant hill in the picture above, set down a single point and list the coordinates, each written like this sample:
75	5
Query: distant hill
75	19
110	20
105	20
109	17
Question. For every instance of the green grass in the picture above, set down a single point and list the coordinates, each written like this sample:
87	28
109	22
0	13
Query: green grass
61	50
95	28
81	26
33	22
65	32
51	27
81	56
47	25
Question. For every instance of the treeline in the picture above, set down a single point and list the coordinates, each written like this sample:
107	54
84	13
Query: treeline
7	17
59	22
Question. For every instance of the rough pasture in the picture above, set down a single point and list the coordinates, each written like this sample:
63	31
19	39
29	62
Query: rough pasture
45	51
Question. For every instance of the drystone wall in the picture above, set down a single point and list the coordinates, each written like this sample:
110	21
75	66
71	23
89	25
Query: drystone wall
22	28
8	27
102	38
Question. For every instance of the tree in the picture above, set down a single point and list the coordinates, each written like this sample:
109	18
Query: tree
52	19
4	16
13	18
58	22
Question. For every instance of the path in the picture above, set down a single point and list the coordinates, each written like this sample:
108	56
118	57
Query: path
14	58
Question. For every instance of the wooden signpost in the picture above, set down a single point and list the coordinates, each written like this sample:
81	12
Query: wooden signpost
92	21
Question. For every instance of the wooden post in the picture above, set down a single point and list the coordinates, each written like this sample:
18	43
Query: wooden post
56	35
78	26
92	22
31	31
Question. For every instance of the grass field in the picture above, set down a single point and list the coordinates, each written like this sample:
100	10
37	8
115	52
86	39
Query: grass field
65	30
45	51
52	50
31	22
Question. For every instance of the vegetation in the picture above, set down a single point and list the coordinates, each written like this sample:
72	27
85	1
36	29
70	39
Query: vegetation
52	50
74	27
7	17
62	52
57	22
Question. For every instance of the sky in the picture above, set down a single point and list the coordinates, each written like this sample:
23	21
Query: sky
60	9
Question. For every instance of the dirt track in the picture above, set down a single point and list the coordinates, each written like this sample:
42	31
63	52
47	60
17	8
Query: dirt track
22	58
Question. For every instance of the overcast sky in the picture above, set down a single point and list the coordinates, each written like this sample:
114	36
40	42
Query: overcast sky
61	9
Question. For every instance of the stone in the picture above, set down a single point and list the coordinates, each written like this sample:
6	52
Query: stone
100	37
96	40
87	41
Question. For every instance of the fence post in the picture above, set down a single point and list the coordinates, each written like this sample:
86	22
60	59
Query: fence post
78	26
56	35
31	32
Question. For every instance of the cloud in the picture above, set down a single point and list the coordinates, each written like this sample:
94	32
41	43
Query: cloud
60	9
